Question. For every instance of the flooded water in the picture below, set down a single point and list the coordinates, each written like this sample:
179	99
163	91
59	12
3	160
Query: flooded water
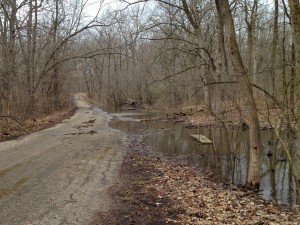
226	160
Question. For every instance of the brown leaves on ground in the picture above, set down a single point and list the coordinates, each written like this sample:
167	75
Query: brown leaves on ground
15	130
230	118
134	202
155	192
205	202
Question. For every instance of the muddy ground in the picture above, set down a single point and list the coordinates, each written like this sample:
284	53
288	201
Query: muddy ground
134	202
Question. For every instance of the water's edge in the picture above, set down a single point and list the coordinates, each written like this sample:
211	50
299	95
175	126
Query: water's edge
225	160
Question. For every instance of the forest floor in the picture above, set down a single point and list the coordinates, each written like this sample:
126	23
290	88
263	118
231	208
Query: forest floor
232	118
18	129
153	190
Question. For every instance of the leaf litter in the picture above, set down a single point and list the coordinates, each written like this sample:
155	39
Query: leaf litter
153	190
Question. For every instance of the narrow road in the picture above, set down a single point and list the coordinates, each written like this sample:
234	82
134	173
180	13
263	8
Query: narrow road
60	175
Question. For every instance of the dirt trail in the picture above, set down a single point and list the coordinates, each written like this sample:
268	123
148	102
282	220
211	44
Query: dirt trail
60	175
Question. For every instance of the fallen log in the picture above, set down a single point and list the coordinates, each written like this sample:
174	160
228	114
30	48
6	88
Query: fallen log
201	138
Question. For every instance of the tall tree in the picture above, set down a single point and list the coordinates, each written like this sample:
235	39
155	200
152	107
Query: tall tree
250	19
8	21
253	176
295	23
274	46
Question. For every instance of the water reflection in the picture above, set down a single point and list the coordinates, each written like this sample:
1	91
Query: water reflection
226	159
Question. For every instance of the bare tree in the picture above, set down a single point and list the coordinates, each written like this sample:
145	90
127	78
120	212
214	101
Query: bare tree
274	46
8	21
253	178
295	23
251	22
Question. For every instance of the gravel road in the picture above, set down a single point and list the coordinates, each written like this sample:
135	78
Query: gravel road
60	175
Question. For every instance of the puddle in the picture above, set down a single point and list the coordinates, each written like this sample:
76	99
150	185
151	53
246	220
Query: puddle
225	160
135	116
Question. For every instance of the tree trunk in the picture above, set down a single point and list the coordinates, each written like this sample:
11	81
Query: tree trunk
274	48
8	36
253	176
222	65
295	22
251	26
292	85
30	53
55	101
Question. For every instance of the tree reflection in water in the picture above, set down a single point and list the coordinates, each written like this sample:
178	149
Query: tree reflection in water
224	161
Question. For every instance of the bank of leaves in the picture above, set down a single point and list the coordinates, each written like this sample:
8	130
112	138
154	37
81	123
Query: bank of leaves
20	127
200	201
231	118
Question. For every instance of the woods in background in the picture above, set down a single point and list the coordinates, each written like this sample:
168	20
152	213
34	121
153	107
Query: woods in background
224	55
38	39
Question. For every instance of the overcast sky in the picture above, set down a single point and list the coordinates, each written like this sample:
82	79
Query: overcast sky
94	5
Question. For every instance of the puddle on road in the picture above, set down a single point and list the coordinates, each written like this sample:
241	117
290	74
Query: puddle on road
225	160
